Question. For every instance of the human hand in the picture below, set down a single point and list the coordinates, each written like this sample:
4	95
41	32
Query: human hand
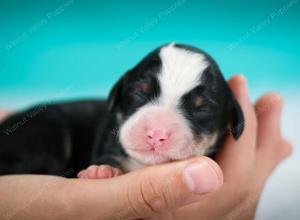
192	189
246	163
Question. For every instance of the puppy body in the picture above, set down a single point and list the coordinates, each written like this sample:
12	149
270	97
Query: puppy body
173	105
50	138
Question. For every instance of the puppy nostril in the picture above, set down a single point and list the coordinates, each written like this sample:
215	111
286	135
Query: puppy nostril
157	137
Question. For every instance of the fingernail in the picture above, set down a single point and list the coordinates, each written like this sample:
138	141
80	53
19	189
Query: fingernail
201	178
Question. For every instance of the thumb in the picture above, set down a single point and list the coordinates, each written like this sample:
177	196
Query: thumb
156	189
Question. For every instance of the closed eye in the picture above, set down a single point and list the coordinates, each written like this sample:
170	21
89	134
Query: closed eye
138	95
212	101
141	98
203	111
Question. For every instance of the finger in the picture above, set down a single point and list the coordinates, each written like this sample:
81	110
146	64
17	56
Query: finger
271	147
265	166
239	155
269	111
269	139
150	191
266	163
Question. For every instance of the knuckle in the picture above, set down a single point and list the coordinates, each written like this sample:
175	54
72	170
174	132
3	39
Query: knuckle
243	192
145	197
286	149
288	146
152	196
133	207
267	103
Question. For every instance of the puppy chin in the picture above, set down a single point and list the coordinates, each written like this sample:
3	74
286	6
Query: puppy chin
159	156
148	157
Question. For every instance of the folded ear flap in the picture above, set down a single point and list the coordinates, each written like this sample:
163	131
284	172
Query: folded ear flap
114	97
237	120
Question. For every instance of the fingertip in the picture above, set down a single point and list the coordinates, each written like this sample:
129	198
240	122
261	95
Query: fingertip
240	89
203	176
269	102
216	169
237	79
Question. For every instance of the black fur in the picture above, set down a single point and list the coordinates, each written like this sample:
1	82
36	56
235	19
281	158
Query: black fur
55	138
50	138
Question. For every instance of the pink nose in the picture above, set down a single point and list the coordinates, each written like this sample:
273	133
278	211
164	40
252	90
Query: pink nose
156	138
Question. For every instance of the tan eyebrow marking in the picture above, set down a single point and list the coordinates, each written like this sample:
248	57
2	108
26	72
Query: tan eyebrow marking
145	87
198	101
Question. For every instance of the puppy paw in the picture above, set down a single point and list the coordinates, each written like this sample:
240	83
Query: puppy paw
99	172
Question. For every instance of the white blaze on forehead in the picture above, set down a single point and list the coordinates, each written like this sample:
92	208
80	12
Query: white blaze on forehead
180	73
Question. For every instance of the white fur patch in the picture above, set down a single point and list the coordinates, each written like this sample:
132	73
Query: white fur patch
180	73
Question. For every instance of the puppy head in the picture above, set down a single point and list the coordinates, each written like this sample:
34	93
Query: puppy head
173	105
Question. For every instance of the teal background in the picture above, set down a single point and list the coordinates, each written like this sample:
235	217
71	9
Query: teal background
76	48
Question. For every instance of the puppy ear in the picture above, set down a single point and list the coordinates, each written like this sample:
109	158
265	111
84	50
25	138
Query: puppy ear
115	94
237	120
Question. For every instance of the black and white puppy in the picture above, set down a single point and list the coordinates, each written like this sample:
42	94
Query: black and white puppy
173	105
